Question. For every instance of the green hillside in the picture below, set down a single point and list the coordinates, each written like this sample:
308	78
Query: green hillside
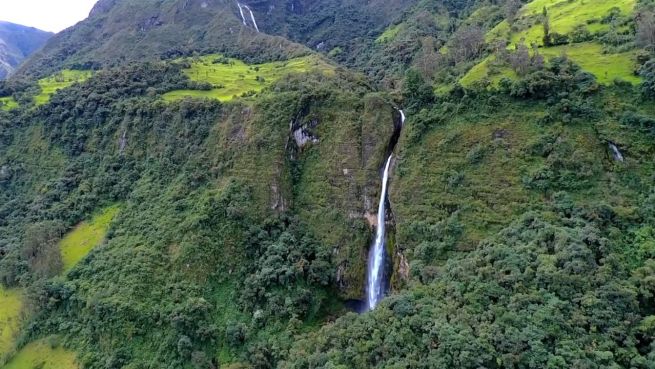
42	354
595	34
50	85
10	319
228	78
7	103
196	184
86	235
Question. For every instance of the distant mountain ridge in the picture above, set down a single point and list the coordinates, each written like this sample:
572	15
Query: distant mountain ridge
17	43
126	30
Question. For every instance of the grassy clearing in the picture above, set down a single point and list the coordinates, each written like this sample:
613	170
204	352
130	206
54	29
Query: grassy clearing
8	103
565	16
236	77
501	31
61	80
87	235
485	70
43	354
577	10
389	34
606	67
11	303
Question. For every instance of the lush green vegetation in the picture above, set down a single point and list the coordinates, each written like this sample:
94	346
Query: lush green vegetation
86	235
528	195
223	78
44	354
221	234
10	319
8	103
390	33
595	34
565	16
606	67
50	85
522	206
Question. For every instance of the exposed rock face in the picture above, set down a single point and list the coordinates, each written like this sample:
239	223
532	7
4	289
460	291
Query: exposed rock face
403	266
277	199
616	153
302	132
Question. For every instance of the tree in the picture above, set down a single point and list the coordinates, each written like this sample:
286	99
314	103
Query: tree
416	91
41	249
511	10
427	61
520	59
467	43
646	30
647	72
546	23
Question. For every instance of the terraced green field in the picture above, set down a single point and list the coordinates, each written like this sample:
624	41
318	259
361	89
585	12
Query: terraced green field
61	80
606	67
42	355
8	103
565	16
87	235
236	77
11	303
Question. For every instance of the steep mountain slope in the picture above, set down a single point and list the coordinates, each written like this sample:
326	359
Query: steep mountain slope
276	187
121	31
117	31
181	189
16	44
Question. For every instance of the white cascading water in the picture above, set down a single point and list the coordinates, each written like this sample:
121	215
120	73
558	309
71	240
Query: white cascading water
617	153
252	17
243	17
377	253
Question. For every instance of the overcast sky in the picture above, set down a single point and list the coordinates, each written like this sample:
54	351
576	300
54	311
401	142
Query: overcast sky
48	15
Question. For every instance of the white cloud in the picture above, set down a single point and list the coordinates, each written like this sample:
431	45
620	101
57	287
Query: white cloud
48	15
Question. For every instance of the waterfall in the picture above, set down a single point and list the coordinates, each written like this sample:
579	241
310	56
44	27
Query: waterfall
243	18
252	17
377	254
616	153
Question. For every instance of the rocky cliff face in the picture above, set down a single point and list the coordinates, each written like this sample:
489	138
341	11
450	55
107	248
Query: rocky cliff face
16	44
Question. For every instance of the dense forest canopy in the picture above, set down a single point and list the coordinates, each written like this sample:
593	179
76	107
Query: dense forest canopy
183	186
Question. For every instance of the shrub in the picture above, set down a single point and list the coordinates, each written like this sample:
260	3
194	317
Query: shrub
647	72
